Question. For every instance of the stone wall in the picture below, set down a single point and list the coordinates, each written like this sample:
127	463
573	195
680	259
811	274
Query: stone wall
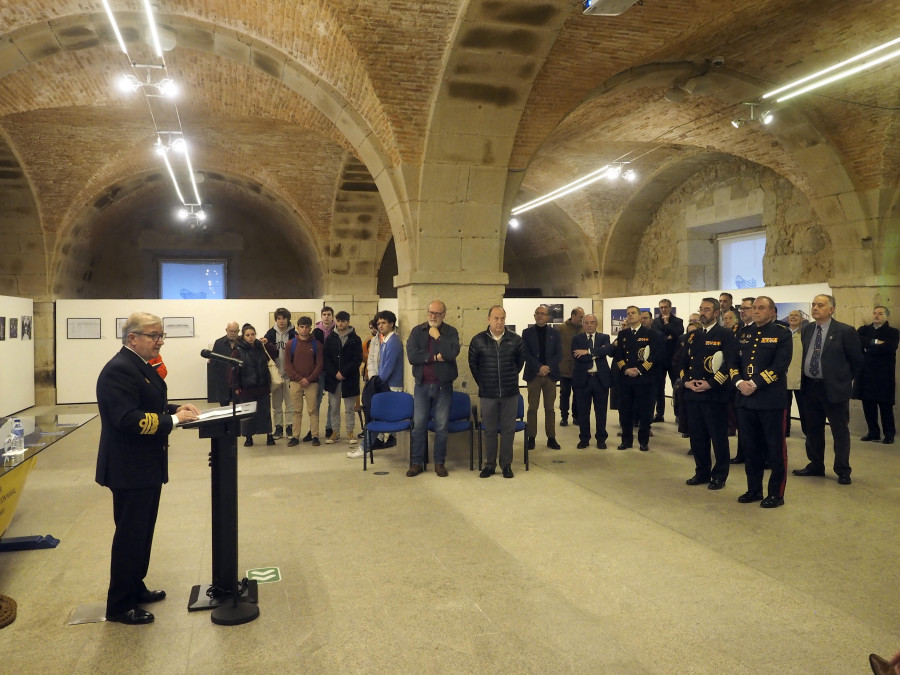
678	253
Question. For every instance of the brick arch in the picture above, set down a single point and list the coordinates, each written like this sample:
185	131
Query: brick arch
350	104
23	259
818	171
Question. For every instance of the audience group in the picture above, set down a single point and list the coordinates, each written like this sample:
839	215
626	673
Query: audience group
733	371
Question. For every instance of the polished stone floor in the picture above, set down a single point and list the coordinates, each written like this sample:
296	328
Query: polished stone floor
594	561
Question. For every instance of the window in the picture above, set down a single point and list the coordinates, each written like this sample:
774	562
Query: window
192	279
741	259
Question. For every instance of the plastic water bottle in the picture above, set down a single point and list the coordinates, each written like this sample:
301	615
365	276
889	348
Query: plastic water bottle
17	446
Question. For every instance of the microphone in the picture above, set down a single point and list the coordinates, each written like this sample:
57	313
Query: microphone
206	354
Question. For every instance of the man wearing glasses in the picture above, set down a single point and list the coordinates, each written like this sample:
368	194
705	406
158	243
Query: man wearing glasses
431	349
217	387
136	420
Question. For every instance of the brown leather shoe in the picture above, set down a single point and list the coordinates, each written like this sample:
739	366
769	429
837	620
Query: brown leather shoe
414	470
440	470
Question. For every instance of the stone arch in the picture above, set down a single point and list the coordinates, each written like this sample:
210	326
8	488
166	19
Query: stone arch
352	106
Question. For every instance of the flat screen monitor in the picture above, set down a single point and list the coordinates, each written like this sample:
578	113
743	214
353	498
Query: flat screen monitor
192	279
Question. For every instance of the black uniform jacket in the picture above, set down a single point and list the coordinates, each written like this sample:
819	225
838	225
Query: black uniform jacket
642	349
602	349
136	420
697	356
762	356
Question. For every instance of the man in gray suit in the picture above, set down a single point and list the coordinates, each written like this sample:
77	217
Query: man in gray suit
831	358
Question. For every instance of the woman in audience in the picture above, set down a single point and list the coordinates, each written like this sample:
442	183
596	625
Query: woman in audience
254	382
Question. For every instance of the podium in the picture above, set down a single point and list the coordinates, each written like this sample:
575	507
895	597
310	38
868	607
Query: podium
233	602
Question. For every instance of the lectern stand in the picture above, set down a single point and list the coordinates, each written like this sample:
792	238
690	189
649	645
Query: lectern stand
233	602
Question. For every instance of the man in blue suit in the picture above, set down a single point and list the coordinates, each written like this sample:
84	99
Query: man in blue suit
543	352
136	420
591	380
831	358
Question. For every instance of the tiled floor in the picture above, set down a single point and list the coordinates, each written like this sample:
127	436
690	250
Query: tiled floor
594	561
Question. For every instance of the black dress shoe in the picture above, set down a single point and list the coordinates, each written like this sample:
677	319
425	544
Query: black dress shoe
150	596
871	437
530	443
552	444
624	446
507	471
749	497
888	440
601	445
844	480
716	484
696	480
486	472
658	418
771	502
582	445
644	447
133	617
808	472
737	460
564	422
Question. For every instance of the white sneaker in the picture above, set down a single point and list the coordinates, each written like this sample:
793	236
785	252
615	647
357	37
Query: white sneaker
352	440
334	439
356	454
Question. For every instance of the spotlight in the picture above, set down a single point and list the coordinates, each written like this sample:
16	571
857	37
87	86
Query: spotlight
167	88
767	117
182	214
129	84
613	171
514	223
738	123
159	148
201	216
179	145
630	175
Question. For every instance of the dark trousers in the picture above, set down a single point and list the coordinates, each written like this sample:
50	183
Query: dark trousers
661	389
817	410
498	415
763	434
635	405
134	512
565	393
708	423
870	410
798	395
592	393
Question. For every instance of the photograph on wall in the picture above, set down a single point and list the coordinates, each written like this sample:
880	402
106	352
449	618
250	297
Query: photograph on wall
512	327
2	327
617	321
178	326
785	308
120	326
556	312
26	327
82	329
13	328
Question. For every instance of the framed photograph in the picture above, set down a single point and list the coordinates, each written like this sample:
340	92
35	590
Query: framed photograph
178	326
82	329
2	327
556	312
120	326
26	327
13	328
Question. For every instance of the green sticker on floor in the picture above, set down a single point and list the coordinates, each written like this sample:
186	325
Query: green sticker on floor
264	575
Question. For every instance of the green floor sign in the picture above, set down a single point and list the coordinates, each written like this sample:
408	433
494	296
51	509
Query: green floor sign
264	575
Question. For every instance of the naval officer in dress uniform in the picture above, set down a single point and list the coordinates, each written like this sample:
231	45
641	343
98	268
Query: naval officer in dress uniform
636	353
759	373
707	355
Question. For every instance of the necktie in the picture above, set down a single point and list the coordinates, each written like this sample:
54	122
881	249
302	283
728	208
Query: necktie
815	361
591	344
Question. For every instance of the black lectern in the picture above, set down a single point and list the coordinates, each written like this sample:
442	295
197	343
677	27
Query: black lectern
233	602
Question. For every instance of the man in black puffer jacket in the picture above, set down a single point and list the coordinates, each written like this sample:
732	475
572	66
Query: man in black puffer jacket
495	358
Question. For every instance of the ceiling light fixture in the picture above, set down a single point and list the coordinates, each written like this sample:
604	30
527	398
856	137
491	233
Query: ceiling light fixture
800	86
514	223
766	118
153	34
115	27
610	171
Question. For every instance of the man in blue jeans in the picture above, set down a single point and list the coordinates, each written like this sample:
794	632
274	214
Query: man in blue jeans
432	348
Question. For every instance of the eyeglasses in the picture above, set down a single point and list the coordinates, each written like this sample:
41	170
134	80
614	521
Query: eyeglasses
430	313
156	337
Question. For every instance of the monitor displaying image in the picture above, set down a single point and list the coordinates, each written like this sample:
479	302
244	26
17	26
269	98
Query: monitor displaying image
192	279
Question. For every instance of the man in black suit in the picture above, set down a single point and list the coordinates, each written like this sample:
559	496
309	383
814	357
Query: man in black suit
874	384
543	352
591	380
671	327
136	420
759	373
635	355
831	358
706	391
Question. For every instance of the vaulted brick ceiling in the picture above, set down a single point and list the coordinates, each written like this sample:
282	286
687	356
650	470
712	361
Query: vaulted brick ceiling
261	80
